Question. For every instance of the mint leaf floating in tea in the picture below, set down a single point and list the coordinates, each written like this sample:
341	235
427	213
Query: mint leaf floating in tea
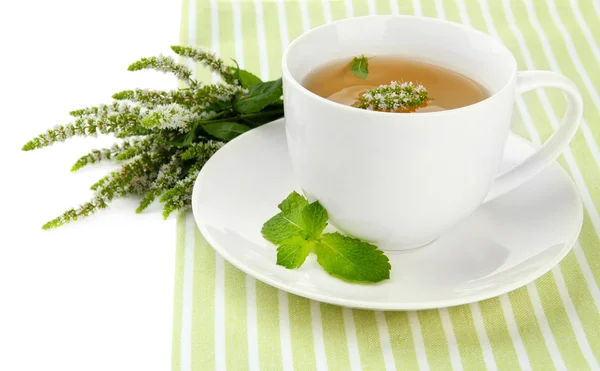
395	97
360	67
297	230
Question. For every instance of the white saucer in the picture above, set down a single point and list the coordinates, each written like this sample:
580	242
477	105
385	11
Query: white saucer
504	245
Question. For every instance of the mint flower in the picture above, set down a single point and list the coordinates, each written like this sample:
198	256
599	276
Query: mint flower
169	116
150	98
202	151
97	155
208	59
168	175
395	97
164	64
91	122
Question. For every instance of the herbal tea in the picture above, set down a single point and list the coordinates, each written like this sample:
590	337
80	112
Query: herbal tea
421	86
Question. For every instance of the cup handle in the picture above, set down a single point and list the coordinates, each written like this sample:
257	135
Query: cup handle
543	156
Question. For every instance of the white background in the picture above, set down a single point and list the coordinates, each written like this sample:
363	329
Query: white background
97	294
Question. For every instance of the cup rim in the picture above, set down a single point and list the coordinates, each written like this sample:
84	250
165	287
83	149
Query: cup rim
291	79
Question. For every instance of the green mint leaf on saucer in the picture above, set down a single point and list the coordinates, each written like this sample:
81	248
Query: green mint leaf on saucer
289	222
297	230
225	130
360	67
259	96
351	259
293	252
315	219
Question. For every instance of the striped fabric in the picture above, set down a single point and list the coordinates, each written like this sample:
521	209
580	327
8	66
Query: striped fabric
224	319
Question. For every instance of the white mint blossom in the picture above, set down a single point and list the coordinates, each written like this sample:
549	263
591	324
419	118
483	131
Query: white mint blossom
170	116
395	97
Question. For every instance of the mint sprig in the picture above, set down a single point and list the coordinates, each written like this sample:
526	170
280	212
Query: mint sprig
168	136
298	229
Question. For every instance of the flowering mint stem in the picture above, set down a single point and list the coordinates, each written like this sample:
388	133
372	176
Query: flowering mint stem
169	134
395	97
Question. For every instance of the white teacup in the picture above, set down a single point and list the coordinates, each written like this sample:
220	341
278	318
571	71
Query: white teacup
401	180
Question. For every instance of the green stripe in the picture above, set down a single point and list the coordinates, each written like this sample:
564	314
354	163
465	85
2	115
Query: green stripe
497	331
591	18
405	7
469	348
184	20
236	326
338	9
267	322
293	19
589	243
436	344
583	301
303	347
529	330
274	48
566	16
559	323
334	337
178	290
475	16
367	337
226	27
316	13
360	7
383	7
565	62
203	35
451	11
428	8
203	305
250	39
401	339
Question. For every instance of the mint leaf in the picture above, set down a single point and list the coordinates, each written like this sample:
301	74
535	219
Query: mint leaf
293	252
259	96
224	130
245	78
296	231
360	67
315	219
289	222
293	206
351	259
248	79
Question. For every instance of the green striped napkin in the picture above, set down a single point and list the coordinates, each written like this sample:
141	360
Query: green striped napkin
224	319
